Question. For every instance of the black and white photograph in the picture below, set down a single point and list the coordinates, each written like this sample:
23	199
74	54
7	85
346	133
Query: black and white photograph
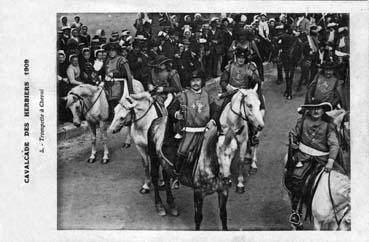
188	121
196	120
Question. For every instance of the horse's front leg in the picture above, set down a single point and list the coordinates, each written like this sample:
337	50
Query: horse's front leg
317	224
146	164
253	166
126	137
92	127
155	178
172	208
103	129
240	188
198	202
222	199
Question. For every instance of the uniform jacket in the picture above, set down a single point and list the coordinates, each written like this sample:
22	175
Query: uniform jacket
317	134
326	90
117	66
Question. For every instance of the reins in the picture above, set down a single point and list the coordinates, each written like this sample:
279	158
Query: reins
338	221
83	104
244	109
135	120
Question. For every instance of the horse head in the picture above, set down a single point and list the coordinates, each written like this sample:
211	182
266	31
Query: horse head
127	106
249	105
76	101
226	149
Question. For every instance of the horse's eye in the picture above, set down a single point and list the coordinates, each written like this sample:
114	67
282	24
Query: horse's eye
121	118
249	106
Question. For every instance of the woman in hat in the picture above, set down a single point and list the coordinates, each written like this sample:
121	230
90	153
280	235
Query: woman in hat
84	37
326	87
99	64
74	71
73	43
77	24
86	66
64	21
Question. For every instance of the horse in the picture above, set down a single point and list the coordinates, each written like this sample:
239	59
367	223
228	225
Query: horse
141	104
290	60
90	101
242	112
330	202
331	208
210	172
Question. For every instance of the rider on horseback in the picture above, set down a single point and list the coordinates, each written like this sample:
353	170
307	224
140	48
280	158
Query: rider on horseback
241	74
315	144
164	79
193	107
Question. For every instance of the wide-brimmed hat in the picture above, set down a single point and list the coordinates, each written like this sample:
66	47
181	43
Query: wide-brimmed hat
112	46
213	19
241	52
328	65
316	103
159	60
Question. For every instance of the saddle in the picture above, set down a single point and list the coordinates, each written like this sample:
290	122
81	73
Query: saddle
114	90
301	183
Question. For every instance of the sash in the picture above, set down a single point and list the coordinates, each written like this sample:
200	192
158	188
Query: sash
311	151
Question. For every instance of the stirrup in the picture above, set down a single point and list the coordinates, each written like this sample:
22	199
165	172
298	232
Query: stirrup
295	219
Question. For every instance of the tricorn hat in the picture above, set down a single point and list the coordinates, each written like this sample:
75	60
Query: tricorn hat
315	103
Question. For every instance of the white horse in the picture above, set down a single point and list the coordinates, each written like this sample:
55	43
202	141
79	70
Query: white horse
331	206
90	101
141	104
242	110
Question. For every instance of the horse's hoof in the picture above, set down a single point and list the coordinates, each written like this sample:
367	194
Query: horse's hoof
144	190
105	161
160	209
173	210
289	97
162	186
240	189
175	184
91	160
253	170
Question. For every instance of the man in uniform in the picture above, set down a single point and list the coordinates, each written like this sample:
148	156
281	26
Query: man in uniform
241	74
116	67
193	108
164	79
326	87
317	142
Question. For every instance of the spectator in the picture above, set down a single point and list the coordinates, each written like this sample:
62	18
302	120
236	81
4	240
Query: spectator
215	39
86	66
74	71
84	37
77	24
64	21
73	43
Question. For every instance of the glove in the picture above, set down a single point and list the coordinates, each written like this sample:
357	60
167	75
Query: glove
329	165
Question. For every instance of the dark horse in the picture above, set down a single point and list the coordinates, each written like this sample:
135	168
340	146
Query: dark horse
210	172
290	58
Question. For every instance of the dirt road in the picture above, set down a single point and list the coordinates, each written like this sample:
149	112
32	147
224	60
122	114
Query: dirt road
96	196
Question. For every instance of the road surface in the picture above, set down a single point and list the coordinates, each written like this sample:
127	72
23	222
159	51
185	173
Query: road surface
106	197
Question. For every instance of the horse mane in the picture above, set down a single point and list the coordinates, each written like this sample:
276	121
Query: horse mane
141	96
210	149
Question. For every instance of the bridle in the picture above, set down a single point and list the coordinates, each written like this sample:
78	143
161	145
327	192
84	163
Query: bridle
82	102
132	110
242	107
347	207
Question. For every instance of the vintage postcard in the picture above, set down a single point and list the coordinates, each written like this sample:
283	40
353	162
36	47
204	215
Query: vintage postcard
184	121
